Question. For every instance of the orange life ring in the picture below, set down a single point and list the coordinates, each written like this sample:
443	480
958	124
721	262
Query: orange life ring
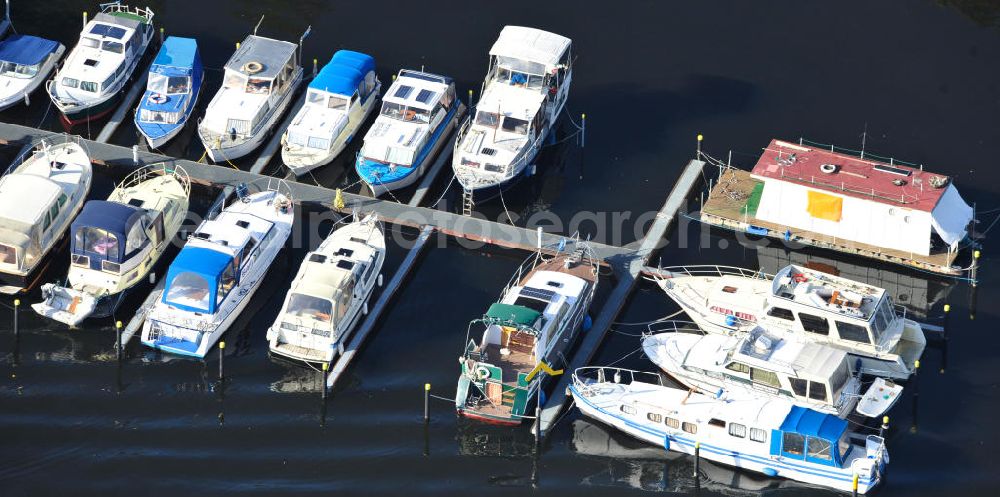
800	278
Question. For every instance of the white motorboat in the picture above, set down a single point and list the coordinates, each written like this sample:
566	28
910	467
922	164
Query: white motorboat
91	79
765	435
330	293
338	101
815	306
25	62
258	83
38	199
217	272
525	90
117	242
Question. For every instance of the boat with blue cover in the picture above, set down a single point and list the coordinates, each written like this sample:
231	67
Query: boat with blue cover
418	113
766	435
25	62
172	91
117	242
338	101
217	272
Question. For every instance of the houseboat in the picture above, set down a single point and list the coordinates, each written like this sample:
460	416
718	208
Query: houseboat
91	79
765	435
330	293
25	61
338	101
217	272
172	91
529	329
811	305
258	84
39	197
524	92
418	112
117	242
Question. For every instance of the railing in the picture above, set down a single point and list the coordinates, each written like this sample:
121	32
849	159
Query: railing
713	270
160	169
111	7
586	379
42	146
672	326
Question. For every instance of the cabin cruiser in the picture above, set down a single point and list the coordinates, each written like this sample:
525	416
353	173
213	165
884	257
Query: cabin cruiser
91	79
117	242
172	91
217	272
25	61
338	101
524	92
257	86
38	200
815	306
809	374
418	112
527	331
766	435
330	293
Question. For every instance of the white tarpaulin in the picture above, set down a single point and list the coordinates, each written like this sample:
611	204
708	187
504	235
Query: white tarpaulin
950	217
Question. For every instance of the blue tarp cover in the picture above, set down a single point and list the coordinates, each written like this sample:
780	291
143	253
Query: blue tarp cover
343	73
26	50
207	263
112	217
177	57
814	424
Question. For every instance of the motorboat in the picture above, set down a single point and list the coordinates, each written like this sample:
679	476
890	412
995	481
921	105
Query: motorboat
172	91
25	62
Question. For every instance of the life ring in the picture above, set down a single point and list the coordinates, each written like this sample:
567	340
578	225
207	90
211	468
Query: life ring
800	278
157	98
482	373
253	67
828	168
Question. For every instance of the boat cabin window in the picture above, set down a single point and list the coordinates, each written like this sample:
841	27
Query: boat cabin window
672	422
811	389
533	304
344	298
96	241
793	445
689	427
518	78
227	280
404	113
800	387
764	377
852	332
338	103
307	306
739	367
839	378
88	86
106	85
315	97
235	81
168	85
781	313
245	253
113	47
758	435
817	391
627	409
844	445
70	82
516	126
814	324
717	422
18	71
136	238
190	290
819	449
258	86
654	417
737	430
883	318
8	254
488	119
88	42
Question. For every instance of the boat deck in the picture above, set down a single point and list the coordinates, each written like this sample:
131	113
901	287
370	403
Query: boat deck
725	208
516	362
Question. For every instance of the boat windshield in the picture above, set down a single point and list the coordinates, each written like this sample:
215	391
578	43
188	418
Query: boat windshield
168	85
88	42
12	70
488	119
113	47
307	306
259	86
96	241
519	79
189	290
844	445
404	113
882	318
516	126
235	81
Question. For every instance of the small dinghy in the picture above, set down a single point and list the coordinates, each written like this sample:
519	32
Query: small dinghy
117	242
91	79
217	272
25	62
172	91
330	293
258	83
338	102
418	112
38	200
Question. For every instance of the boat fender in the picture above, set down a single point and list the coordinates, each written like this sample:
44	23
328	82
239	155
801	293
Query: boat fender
482	373
588	323
157	98
730	321
800	278
253	67
770	472
828	168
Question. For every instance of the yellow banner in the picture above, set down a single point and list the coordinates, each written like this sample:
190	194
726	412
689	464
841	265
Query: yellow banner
825	206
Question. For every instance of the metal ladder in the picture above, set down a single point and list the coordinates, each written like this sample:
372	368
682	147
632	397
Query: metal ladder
468	204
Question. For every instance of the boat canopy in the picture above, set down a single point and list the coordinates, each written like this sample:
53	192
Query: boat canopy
198	279
26	50
177	57
344	74
514	314
811	434
272	55
541	50
107	231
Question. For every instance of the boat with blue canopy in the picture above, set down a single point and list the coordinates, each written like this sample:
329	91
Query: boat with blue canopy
418	113
172	91
25	62
766	435
338	101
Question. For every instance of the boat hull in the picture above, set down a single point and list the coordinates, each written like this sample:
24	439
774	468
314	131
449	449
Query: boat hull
18	97
92	112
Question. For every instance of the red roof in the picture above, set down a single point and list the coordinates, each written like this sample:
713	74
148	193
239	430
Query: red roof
850	175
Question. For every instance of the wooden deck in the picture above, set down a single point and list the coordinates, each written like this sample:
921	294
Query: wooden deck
724	208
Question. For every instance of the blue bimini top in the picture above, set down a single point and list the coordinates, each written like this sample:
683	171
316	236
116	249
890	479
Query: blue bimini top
343	73
26	50
193	279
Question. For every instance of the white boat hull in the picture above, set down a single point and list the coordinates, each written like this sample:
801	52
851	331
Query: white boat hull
14	96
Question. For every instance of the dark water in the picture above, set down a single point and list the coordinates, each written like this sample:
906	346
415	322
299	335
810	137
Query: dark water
920	76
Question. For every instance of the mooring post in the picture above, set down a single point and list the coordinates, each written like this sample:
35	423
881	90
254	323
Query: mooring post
85	19
222	350
470	100
427	402
697	459
118	340
17	304
315	67
975	266
326	369
539	243
947	316
854	486
885	426
697	154
583	130
161	36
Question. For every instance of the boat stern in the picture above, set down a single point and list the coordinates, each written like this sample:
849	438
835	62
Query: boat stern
483	396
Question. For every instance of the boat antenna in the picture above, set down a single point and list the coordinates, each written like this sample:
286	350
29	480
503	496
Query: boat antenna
255	28
864	138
